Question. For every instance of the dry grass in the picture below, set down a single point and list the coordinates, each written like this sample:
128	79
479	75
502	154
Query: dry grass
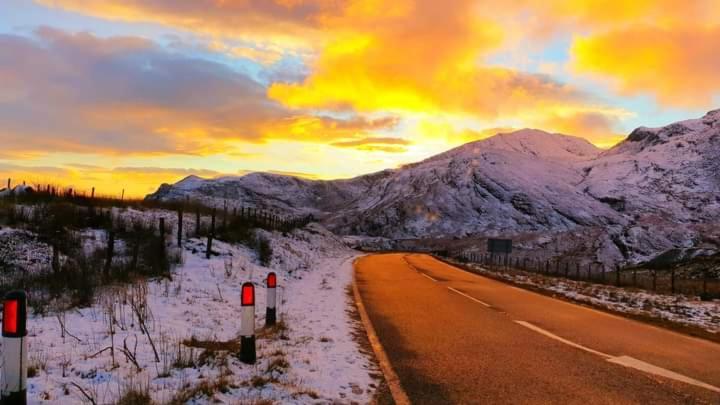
206	388
279	330
213	345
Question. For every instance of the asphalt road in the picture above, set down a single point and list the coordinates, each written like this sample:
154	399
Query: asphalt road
456	337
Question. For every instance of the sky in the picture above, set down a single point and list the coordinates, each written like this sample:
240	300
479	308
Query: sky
128	94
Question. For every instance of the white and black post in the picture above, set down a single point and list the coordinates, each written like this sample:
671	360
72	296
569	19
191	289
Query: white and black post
247	327
13	383
271	311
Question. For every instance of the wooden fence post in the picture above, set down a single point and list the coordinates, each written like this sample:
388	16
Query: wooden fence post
162	235
55	257
110	252
225	212
654	280
208	252
180	227
589	277
672	280
617	275
197	221
635	277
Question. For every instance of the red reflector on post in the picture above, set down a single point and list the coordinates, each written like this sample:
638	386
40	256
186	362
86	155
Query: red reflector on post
271	280
10	317
247	295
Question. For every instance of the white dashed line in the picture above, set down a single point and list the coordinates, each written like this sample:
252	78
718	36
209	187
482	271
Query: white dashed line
428	277
559	339
469	297
630	362
625	361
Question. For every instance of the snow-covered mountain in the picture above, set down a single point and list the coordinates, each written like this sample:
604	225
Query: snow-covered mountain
656	190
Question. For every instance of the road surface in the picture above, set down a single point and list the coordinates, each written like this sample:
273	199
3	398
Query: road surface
456	337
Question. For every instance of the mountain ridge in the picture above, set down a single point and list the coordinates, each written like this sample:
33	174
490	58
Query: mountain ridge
524	182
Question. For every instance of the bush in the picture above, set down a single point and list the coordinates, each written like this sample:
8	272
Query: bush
264	251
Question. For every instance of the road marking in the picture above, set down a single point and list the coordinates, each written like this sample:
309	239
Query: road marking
559	339
652	369
625	361
469	297
428	276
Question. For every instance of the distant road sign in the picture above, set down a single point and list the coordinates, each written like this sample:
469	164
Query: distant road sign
502	246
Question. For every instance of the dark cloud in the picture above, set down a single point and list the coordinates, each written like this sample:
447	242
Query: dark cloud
83	93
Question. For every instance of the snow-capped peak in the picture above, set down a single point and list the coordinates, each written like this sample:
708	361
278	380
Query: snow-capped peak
531	142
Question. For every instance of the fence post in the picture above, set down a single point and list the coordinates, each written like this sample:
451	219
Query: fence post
110	251
654	280
567	269
617	275
162	235
210	235
635	277
225	212
13	383
56	253
180	227
197	221
577	271
672	280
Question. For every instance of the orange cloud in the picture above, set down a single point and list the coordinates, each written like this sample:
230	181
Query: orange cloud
379	144
428	59
136	181
596	125
679	66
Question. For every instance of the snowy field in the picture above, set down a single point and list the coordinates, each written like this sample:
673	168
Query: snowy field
188	355
687	310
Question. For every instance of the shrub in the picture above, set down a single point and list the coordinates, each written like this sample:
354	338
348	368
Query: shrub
264	251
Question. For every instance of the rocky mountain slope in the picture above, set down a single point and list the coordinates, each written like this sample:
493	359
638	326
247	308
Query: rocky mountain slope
658	189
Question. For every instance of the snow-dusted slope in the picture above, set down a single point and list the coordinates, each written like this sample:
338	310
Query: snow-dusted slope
520	181
527	181
670	171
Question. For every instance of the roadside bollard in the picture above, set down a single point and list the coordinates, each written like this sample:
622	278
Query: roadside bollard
247	326
270	311
13	383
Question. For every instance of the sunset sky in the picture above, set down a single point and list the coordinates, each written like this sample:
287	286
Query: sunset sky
131	93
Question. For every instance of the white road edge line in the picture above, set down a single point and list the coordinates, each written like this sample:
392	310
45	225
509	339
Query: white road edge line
391	378
469	297
428	277
625	361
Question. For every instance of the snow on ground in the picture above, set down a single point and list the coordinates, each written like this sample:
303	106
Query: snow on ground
314	360
676	308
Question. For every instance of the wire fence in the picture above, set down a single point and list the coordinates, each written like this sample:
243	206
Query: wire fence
702	279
